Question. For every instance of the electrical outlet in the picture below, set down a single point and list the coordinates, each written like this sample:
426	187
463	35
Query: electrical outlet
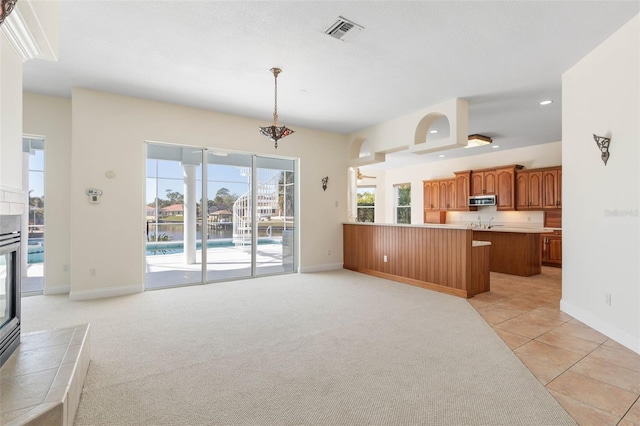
528	218
65	268
336	203
385	258
607	299
328	252
92	272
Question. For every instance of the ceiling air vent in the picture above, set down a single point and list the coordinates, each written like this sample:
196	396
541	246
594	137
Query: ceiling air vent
344	29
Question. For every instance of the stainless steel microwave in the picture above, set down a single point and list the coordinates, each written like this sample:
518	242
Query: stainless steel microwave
482	200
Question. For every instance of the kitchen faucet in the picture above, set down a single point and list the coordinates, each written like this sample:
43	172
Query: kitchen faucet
479	222
489	227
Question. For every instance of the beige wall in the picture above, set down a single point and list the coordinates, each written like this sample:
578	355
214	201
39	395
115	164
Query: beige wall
601	229
108	133
10	118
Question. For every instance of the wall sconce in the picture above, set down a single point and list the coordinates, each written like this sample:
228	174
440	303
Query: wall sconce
603	145
325	180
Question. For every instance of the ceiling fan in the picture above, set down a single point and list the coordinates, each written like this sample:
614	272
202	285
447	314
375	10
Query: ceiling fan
360	176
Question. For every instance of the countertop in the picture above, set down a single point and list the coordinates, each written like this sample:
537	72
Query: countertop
523	230
480	243
495	228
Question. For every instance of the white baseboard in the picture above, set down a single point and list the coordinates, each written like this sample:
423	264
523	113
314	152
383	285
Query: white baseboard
105	292
597	324
62	289
319	268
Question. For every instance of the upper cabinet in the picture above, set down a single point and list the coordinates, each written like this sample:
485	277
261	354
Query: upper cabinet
463	186
483	182
431	195
539	189
552	188
505	187
529	190
514	188
447	194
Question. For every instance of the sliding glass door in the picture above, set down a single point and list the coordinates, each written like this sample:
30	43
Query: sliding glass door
193	238
229	177
174	188
275	199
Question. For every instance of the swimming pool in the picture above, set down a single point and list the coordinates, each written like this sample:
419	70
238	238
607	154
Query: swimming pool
36	248
174	247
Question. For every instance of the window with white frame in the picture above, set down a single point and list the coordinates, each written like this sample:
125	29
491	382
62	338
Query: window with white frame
366	204
402	196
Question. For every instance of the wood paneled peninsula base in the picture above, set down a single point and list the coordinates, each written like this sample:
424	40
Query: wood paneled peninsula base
443	258
514	251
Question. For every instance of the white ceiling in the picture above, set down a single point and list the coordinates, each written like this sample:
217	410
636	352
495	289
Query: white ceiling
503	57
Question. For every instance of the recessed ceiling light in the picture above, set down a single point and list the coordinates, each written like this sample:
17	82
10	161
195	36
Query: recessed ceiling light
495	146
441	155
547	102
433	131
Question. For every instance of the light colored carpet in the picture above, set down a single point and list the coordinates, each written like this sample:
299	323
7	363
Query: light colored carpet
332	348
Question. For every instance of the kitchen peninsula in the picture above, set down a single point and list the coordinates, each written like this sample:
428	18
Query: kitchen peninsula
514	251
443	258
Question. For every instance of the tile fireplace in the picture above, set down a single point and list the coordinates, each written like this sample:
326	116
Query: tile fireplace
9	286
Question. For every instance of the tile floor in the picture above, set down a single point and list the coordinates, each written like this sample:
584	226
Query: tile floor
594	378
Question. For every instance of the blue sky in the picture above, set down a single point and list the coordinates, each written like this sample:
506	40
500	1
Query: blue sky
36	173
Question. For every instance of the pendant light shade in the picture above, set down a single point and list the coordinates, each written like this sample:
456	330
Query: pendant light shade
275	132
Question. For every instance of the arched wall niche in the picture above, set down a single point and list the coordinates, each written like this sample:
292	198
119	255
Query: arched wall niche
430	120
456	114
356	146
361	153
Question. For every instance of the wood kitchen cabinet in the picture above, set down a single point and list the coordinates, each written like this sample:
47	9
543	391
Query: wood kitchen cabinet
552	188
528	190
551	246
505	188
463	187
431	192
447	194
483	182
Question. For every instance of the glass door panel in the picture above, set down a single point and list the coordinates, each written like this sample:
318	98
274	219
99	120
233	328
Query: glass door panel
275	200
229	219
33	258
173	198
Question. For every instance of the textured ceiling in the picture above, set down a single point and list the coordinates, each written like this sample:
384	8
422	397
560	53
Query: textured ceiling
503	57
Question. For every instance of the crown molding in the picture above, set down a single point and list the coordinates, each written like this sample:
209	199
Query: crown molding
25	33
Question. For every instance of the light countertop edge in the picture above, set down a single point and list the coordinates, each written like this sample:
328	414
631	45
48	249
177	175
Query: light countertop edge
498	228
476	243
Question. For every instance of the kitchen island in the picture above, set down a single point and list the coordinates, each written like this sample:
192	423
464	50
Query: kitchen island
443	258
514	251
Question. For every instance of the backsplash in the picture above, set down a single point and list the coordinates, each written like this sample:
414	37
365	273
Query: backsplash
533	219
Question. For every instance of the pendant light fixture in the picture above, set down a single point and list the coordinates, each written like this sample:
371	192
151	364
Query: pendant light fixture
274	132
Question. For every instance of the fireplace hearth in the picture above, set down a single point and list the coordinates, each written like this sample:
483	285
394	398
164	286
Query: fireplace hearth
9	286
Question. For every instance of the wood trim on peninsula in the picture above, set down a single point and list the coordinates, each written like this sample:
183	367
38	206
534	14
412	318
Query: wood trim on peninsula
432	257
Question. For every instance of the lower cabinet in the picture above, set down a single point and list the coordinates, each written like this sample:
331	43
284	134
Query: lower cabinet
551	248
